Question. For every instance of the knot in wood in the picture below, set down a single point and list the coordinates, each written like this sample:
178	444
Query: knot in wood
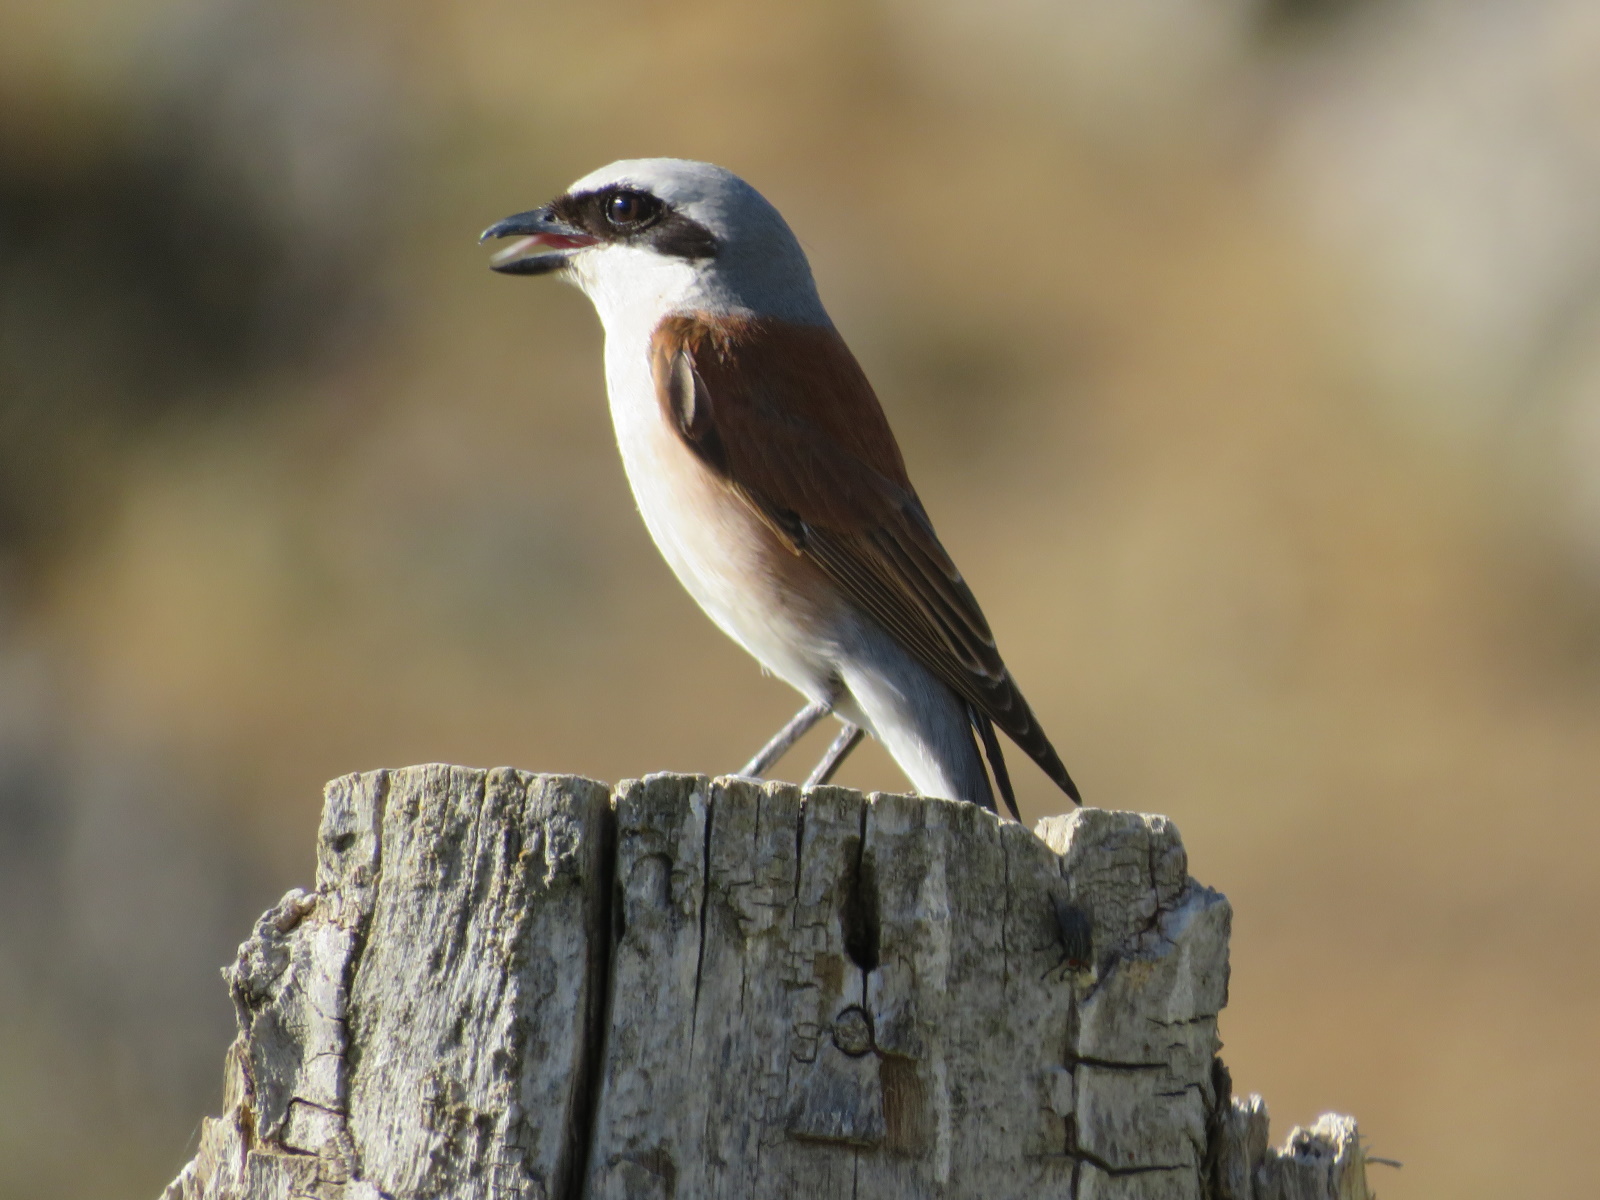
852	1031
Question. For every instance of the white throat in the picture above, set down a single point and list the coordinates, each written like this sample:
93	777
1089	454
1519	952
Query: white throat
634	288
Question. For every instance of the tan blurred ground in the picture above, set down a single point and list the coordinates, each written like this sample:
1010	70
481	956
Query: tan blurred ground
1244	358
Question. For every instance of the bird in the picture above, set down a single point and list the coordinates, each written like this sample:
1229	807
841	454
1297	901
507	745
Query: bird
767	474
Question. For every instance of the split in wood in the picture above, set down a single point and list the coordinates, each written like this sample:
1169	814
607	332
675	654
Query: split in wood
514	984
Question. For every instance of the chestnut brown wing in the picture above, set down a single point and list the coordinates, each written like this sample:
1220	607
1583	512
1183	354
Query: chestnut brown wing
784	414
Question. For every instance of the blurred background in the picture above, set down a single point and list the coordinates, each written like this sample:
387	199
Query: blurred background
1246	353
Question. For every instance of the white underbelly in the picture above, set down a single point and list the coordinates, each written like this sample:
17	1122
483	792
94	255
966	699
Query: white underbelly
719	550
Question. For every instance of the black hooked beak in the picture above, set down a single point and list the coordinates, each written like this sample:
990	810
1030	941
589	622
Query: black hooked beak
545	243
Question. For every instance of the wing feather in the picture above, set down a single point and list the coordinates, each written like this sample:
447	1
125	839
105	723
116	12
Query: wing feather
785	416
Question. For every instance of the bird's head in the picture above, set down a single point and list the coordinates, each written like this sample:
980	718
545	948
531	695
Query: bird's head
654	236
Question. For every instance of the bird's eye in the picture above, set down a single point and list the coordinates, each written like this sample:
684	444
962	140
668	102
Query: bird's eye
627	210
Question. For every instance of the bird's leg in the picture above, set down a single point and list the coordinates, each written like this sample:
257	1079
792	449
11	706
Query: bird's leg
849	738
799	725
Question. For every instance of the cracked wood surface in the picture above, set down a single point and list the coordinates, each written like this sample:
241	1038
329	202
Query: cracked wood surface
535	986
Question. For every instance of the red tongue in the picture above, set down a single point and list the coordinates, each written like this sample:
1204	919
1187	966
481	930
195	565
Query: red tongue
562	241
522	247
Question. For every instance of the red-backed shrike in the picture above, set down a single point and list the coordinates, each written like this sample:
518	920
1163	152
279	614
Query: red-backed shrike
767	474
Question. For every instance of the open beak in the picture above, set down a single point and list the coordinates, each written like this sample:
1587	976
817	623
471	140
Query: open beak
544	245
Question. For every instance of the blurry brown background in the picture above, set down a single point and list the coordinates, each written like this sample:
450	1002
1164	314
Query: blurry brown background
1246	353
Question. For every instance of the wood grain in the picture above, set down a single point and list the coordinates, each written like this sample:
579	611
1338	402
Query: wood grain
515	985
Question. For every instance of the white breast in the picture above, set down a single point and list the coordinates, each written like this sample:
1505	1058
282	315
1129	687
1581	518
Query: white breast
719	550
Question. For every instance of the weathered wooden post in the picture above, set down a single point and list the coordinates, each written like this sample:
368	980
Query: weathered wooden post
514	985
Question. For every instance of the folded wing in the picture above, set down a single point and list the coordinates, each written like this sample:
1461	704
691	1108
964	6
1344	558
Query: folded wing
785	415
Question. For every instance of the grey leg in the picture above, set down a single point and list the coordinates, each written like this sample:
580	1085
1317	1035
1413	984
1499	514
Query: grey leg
799	725
849	738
